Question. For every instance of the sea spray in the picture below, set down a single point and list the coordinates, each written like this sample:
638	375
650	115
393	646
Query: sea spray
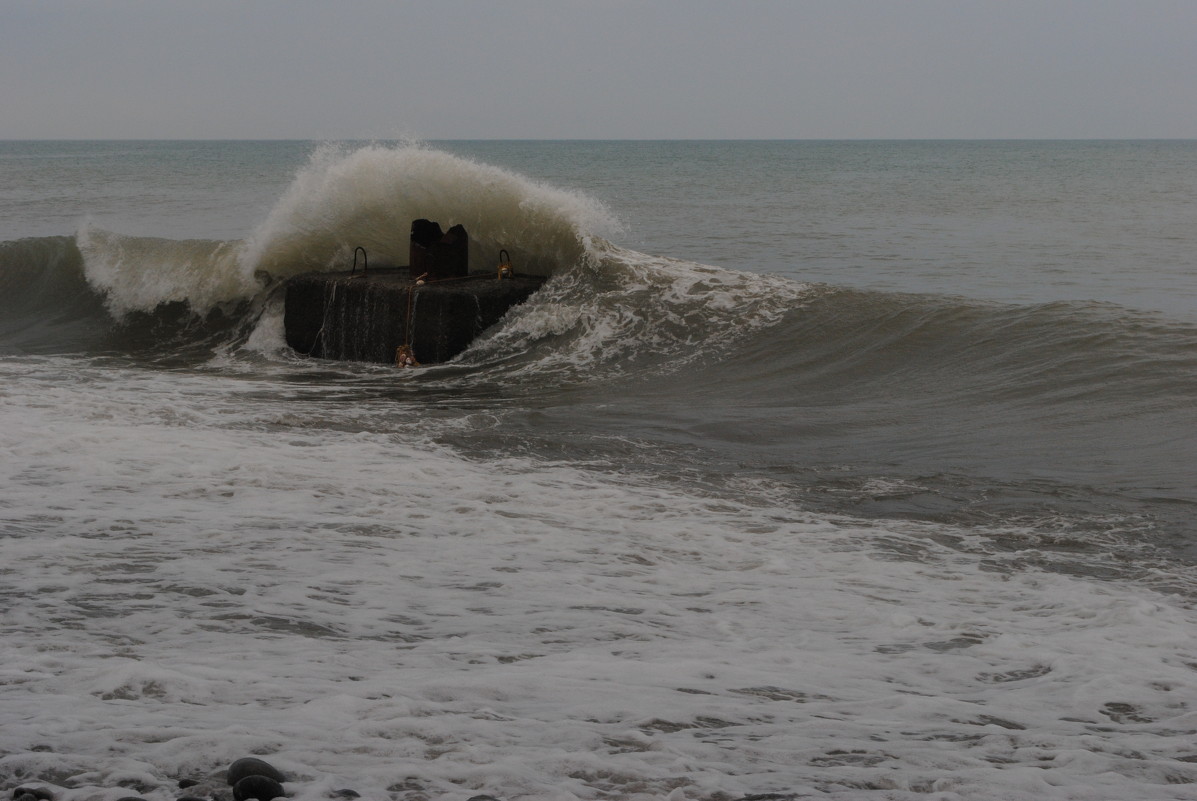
368	197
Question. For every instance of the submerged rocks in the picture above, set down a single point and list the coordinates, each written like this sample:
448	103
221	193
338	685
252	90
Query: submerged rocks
251	779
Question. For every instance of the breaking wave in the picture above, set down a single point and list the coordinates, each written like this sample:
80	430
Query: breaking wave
607	310
139	274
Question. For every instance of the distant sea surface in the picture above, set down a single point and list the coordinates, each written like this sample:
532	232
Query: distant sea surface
852	469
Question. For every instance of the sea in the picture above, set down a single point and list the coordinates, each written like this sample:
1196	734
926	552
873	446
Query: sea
817	469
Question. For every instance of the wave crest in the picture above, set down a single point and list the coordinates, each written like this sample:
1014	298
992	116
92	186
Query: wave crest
142	273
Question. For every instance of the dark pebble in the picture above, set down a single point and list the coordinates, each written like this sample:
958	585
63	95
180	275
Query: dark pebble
131	798
190	798
252	766
40	793
482	798
262	788
26	797
185	783
346	794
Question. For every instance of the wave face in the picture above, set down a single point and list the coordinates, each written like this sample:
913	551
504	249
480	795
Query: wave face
940	391
45	300
851	342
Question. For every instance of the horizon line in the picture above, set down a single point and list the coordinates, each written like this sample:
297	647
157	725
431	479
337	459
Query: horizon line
616	139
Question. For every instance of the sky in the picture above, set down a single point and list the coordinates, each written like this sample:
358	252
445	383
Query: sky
597	69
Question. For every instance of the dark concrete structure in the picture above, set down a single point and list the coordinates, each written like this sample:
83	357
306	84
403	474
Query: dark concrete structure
438	255
368	315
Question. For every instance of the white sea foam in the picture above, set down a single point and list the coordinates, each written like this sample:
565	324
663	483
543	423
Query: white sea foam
197	567
142	273
619	309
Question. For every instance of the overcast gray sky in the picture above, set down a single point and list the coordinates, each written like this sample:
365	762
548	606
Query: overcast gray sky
598	69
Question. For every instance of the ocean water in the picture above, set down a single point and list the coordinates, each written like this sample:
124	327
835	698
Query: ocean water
817	469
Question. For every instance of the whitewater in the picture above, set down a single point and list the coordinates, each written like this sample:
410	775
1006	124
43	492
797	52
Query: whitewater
676	528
